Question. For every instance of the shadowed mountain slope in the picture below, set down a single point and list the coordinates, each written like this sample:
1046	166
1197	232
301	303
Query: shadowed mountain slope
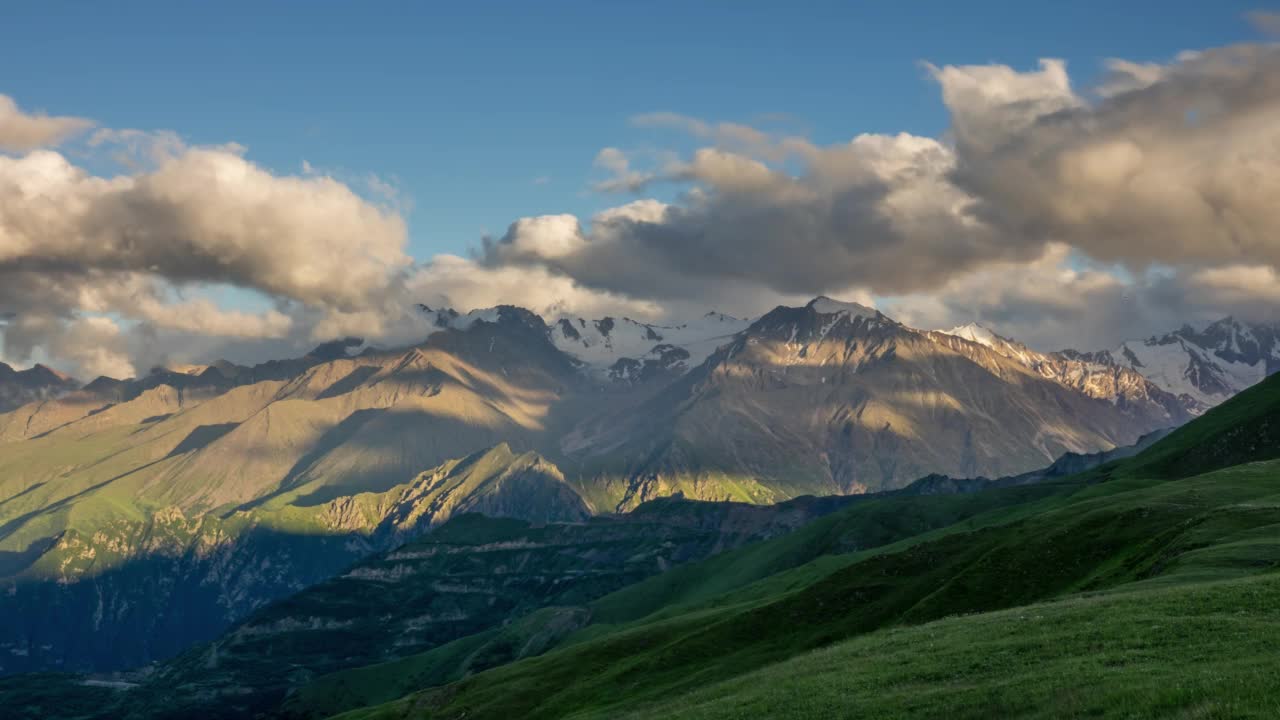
135	589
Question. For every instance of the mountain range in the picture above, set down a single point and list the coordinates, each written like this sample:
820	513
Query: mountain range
138	517
1203	366
1128	573
39	382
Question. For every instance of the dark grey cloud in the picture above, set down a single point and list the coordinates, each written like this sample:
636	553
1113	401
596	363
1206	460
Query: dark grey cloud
878	212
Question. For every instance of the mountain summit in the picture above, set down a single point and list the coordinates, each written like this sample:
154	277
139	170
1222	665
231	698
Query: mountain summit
1204	367
39	382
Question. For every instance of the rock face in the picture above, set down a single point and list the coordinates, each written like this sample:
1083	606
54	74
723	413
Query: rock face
836	398
1123	386
627	351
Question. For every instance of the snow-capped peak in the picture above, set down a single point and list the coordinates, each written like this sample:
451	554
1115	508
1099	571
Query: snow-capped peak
599	344
973	332
450	318
824	305
602	343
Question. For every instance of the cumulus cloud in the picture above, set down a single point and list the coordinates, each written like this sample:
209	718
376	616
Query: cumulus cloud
545	237
201	316
1050	302
731	136
21	131
73	243
856	216
1248	291
1158	181
139	149
205	215
452	281
1062	299
1179	168
622	178
93	345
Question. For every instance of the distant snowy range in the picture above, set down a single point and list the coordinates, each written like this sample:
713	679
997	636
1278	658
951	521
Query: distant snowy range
1201	366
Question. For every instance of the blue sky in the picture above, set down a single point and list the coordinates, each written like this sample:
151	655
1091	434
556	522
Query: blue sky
465	105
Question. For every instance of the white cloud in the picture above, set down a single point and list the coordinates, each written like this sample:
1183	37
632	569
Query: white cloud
461	283
860	209
622	178
991	104
1050	302
74	244
21	131
543	237
138	150
204	215
734	137
1124	76
1179	167
1062	300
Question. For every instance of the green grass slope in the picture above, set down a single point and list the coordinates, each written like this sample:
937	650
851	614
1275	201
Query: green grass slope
793	559
1245	428
475	593
1125	529
1192	651
1118	535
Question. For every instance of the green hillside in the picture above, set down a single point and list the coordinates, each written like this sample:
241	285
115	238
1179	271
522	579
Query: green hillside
1139	550
1203	650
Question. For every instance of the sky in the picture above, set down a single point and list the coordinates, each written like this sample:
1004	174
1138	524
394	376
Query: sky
653	160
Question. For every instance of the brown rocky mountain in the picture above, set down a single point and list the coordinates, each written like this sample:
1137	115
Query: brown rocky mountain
835	398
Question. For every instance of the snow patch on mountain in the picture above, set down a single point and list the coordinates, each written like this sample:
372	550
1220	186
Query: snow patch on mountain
601	344
1205	365
1183	367
973	332
1012	349
616	348
1092	374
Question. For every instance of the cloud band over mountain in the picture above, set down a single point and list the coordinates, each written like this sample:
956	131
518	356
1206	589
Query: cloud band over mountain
1068	216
